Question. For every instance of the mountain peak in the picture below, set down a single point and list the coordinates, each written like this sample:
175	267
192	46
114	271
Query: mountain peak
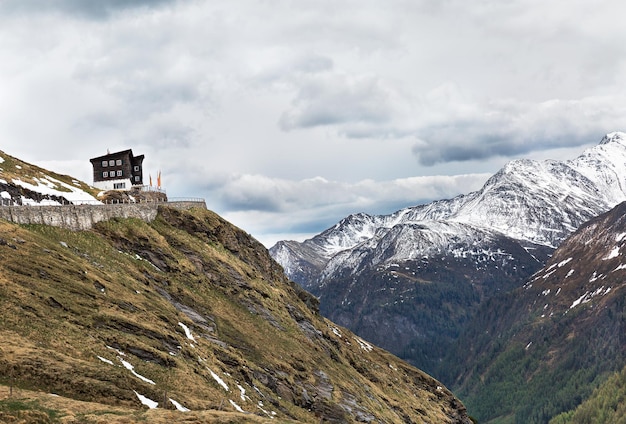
614	137
484	242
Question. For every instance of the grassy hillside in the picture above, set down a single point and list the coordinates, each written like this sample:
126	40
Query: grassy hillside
190	312
27	406
541	350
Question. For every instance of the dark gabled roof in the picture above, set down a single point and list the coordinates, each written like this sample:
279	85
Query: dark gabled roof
129	151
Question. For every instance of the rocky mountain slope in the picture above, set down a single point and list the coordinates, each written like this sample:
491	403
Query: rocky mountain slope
192	316
538	351
421	272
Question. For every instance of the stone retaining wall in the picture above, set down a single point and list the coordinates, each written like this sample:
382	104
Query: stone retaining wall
187	204
83	217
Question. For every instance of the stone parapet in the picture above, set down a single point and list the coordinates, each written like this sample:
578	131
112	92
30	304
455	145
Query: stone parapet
83	217
187	203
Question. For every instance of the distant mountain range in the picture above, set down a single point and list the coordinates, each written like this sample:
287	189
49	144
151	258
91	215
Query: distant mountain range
411	280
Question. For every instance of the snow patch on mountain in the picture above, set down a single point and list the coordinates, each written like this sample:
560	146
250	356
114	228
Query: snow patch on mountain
152	404
612	254
589	295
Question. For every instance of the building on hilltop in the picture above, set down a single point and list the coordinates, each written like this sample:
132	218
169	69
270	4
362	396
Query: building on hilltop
117	171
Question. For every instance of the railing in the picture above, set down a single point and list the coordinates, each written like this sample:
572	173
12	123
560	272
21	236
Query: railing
64	202
150	188
186	199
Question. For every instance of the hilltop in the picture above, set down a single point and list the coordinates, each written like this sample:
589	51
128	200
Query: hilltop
189	314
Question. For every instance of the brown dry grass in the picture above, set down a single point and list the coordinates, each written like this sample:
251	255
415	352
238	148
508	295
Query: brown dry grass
66	296
27	406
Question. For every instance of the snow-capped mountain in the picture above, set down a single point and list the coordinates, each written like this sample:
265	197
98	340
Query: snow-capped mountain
491	239
540	202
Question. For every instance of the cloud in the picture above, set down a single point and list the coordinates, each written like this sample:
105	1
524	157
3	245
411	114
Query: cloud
448	125
99	9
514	79
127	81
267	206
246	102
509	129
351	105
339	99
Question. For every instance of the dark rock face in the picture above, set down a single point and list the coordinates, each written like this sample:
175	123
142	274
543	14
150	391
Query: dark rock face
18	193
418	308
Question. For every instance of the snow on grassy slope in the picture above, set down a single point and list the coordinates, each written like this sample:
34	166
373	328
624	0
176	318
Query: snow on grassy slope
50	186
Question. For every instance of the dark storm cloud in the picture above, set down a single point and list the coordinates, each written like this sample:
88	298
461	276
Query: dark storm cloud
504	130
91	9
475	147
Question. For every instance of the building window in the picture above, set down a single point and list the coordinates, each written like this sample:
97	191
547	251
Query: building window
118	162
137	178
136	168
105	174
111	162
119	172
104	163
118	186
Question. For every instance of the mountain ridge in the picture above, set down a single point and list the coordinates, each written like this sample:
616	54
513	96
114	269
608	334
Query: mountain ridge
528	205
589	169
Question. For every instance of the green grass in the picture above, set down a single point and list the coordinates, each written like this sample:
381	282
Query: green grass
29	409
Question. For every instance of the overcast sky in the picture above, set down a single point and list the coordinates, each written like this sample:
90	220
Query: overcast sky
286	116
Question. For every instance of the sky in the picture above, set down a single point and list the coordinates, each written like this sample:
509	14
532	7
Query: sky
288	115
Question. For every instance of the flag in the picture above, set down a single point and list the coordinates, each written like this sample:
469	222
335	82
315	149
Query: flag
150	180
159	180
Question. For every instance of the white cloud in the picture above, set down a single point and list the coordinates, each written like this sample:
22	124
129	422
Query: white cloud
85	9
506	128
267	207
336	99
